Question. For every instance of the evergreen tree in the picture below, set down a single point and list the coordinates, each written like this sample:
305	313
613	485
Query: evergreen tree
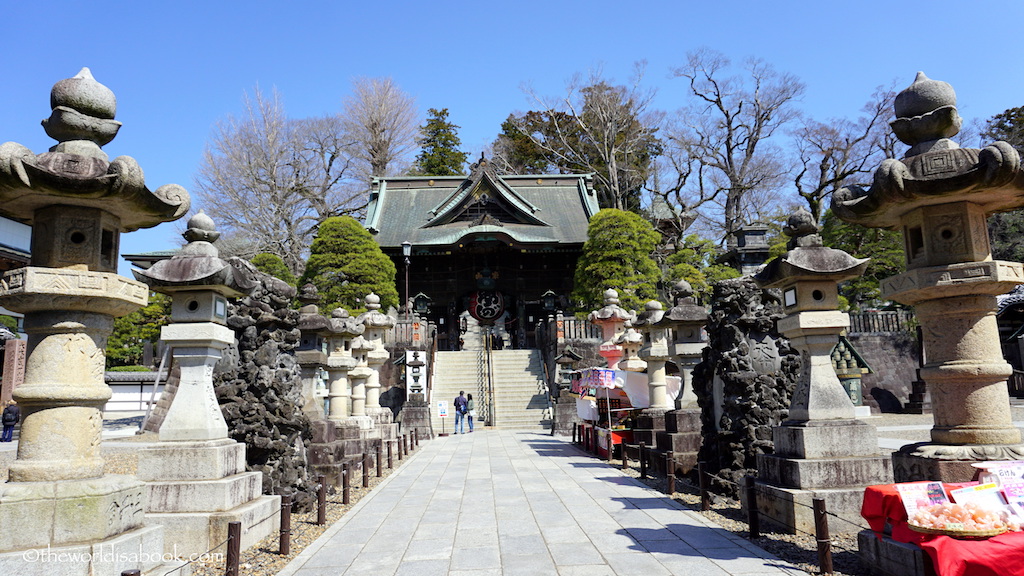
273	264
884	247
127	342
617	255
694	261
346	264
439	147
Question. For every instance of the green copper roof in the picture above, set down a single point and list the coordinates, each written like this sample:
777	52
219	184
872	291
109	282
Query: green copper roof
432	211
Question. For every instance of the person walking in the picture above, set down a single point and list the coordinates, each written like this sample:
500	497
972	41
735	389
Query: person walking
471	409
460	412
10	418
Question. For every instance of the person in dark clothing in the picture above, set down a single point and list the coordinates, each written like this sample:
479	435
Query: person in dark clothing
11	417
460	412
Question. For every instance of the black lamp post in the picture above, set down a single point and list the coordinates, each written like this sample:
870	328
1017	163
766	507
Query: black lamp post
407	252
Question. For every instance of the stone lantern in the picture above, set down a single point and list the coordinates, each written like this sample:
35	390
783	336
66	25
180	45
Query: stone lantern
199	283
630	342
78	202
311	352
822	450
612	319
939	195
655	353
358	376
340	362
195	463
377	324
687	320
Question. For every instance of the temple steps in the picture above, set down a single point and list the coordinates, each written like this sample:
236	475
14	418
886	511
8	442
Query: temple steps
519	387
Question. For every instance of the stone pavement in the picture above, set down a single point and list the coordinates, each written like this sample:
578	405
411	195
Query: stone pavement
504	502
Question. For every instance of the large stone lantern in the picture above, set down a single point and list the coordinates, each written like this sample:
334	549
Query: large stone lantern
821	450
199	283
612	319
78	203
311	353
939	195
655	353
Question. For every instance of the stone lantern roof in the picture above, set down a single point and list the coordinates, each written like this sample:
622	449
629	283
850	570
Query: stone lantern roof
198	265
685	309
310	319
935	170
76	172
808	258
343	324
653	315
611	312
373	317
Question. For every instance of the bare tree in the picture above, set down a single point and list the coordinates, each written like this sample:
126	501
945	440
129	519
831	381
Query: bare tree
271	180
601	128
834	152
719	146
382	124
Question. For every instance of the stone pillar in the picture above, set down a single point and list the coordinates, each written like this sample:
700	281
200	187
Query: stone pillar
195	413
939	195
14	368
339	362
359	375
78	203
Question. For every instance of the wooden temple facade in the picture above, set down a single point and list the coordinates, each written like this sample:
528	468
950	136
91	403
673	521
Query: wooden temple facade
488	249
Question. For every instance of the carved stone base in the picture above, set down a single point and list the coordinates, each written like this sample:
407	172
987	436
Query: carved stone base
792	509
138	549
41	514
939	462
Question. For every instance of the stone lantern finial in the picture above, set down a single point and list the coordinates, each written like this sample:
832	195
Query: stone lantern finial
926	115
82	119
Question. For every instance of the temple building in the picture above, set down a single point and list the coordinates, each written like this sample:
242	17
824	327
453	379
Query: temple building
487	250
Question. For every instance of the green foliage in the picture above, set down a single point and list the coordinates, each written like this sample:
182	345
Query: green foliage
346	264
439	147
273	264
694	261
617	254
9	322
519	153
884	247
127	342
133	368
1007	229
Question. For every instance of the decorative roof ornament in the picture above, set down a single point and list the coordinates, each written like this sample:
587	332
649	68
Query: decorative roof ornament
76	172
935	168
808	258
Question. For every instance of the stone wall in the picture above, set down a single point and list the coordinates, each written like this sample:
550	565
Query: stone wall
259	386
894	358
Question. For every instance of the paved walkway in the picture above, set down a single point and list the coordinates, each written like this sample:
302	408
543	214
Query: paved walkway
508	503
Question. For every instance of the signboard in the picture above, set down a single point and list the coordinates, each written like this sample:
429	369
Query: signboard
442	408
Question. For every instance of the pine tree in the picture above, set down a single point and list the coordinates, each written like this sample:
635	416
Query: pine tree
617	255
439	147
273	264
345	264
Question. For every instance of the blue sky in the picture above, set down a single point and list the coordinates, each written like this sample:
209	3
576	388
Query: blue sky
178	67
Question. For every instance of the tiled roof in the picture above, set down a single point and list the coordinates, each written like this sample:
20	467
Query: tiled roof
546	209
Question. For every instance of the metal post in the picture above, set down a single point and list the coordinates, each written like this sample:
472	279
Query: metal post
285	541
391	463
702	481
234	548
753	518
398	448
670	473
321	501
405	444
346	482
379	450
625	456
821	535
366	470
643	460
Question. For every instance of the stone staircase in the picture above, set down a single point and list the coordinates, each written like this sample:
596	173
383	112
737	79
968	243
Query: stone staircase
520	392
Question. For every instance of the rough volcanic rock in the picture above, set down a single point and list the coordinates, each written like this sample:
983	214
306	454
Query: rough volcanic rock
259	386
757	370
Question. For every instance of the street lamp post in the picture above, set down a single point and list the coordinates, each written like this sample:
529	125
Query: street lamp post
407	252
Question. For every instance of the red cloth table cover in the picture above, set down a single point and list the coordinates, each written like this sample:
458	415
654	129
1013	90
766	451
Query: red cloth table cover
1001	555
